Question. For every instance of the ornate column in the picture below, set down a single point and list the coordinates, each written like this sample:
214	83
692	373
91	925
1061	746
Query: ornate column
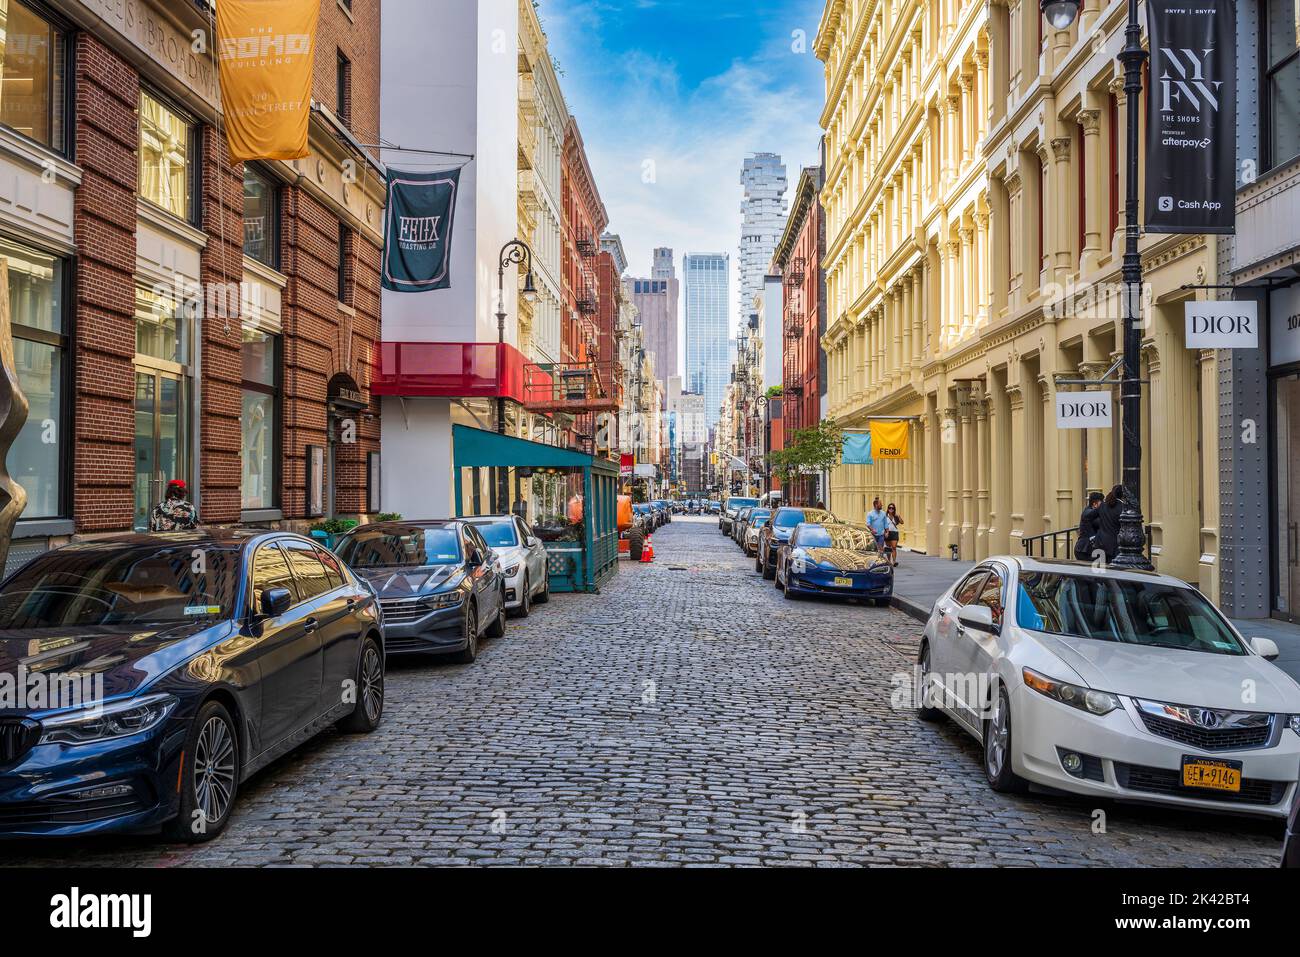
1018	454
1065	212
1095	181
969	461
1016	235
950	154
950	436
982	480
1047	438
1116	238
897	320
966	121
969	282
908	354
983	276
1100	462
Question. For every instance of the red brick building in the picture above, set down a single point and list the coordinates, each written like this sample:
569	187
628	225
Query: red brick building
797	260
176	315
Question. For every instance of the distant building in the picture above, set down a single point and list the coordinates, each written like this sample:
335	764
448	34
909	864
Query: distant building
656	299
762	222
706	278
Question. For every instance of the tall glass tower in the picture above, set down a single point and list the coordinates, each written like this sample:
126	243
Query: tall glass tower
706	279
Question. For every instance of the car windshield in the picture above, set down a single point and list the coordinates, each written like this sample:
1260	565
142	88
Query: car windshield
843	537
498	534
790	517
1122	610
758	518
736	504
137	584
394	546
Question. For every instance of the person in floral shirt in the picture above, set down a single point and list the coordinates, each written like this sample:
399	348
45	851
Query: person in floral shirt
175	513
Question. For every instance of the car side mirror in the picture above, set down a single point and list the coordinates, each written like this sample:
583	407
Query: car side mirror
1265	648
977	618
275	602
473	559
531	541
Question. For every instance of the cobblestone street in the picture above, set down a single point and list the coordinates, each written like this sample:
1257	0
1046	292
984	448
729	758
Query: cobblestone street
686	715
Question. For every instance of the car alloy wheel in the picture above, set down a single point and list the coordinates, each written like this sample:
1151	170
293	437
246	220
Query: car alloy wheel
214	769
470	651
923	710
372	683
526	602
999	736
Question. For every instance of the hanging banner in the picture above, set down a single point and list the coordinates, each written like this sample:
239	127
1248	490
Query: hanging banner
264	55
1222	325
417	230
1083	410
889	440
857	448
1191	117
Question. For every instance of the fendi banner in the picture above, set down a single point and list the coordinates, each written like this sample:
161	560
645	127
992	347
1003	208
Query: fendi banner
1191	116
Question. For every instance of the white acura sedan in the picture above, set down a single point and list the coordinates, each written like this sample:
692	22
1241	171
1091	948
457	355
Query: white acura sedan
1125	685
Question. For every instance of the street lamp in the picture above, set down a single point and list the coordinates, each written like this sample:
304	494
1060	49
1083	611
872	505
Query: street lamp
514	253
1132	536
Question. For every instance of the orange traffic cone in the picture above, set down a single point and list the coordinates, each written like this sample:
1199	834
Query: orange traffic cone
648	553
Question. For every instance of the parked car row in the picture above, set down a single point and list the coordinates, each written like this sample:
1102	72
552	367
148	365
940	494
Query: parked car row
1112	683
174	666
808	551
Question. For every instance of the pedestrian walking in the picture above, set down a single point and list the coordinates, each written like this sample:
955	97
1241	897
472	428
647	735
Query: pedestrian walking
1108	513
892	534
1089	523
175	513
879	523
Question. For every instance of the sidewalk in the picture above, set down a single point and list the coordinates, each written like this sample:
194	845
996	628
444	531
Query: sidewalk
920	579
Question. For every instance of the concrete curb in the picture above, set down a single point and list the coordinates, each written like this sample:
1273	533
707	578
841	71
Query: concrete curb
909	607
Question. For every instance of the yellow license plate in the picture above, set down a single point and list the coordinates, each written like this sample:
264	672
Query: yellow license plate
846	582
1212	775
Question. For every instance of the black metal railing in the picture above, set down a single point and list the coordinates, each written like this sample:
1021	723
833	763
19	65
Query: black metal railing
1061	543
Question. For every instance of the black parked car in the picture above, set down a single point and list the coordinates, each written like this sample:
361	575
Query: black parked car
776	533
212	653
440	585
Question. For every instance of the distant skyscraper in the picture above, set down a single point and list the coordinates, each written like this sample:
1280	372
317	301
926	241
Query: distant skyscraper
707	369
763	216
656	299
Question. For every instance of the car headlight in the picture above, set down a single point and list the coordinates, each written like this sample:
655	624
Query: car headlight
106	722
1085	699
443	599
1293	723
510	572
798	565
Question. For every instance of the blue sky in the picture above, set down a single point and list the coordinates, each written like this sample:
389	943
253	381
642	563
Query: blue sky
670	96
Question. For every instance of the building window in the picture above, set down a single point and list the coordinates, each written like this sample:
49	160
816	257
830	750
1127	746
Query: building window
261	217
38	458
166	157
343	90
161	332
33	71
163	397
1282	80
345	265
257	422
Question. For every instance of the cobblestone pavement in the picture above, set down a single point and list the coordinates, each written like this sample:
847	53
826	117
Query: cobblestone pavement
686	715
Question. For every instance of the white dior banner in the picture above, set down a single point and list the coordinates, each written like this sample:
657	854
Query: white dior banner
1083	410
1226	324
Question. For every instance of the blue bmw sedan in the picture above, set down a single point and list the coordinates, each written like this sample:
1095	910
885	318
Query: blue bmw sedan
144	678
834	559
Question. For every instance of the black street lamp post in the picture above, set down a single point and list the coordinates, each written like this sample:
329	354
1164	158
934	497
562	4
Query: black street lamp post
514	253
1132	535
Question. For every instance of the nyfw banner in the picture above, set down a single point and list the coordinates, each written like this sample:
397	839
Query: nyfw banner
417	230
1191	116
264	58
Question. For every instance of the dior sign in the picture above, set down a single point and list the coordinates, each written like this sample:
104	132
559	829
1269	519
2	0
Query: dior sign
1083	410
1222	325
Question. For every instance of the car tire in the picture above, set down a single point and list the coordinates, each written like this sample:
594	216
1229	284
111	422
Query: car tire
787	591
924	712
211	756
544	595
498	627
369	709
525	599
769	572
997	767
470	625
635	545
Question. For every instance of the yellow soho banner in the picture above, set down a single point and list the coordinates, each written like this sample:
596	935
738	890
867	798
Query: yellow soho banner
264	53
889	440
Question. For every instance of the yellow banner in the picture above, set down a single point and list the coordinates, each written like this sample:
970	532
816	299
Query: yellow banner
889	440
264	53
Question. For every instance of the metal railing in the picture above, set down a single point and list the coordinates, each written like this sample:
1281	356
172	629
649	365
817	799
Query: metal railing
1062	543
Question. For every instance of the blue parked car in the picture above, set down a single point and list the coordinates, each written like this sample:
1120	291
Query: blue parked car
834	559
775	535
170	668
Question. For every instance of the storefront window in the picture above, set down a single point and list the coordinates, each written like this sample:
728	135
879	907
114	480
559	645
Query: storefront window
1283	80
166	155
261	217
36	311
258	419
32	74
160	330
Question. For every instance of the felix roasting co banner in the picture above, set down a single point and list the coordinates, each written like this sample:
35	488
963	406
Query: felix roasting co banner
1191	116
417	230
264	57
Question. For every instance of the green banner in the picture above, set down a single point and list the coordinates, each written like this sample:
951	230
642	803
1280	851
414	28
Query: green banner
417	230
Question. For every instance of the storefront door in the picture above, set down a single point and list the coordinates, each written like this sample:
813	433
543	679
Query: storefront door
1286	600
160	438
